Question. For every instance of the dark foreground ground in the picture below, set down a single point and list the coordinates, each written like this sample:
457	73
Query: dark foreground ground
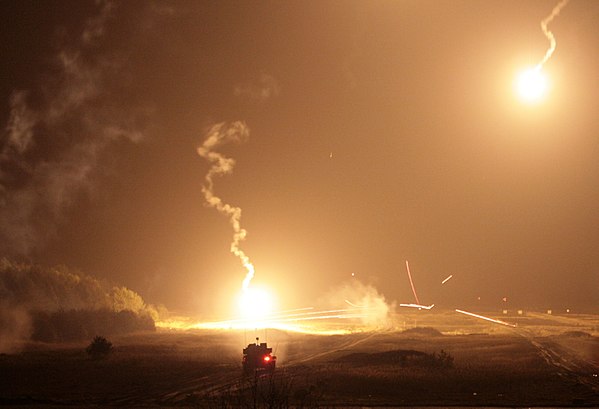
546	361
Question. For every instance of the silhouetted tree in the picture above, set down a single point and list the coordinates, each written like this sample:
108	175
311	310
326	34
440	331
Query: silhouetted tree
100	347
78	325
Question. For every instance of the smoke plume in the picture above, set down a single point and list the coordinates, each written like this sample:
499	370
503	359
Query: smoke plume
365	298
217	135
55	135
552	43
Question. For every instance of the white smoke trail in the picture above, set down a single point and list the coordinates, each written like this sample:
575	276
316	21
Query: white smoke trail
552	43
219	134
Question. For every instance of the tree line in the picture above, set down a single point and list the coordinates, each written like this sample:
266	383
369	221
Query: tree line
84	324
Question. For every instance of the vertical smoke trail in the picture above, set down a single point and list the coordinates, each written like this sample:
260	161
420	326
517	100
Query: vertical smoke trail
554	13
219	134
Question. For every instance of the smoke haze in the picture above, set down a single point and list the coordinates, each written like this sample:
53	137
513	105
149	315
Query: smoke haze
55	135
26	288
365	299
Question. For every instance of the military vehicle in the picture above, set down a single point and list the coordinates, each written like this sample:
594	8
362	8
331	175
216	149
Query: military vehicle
258	358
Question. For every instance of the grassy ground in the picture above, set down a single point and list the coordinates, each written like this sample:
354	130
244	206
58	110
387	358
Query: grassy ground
492	366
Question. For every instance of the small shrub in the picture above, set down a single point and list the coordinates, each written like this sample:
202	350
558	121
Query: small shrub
443	359
99	348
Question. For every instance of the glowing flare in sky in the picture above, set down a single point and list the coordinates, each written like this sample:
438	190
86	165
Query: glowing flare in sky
255	303
532	83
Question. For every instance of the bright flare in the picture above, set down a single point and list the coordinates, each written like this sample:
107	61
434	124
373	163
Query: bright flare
532	85
255	304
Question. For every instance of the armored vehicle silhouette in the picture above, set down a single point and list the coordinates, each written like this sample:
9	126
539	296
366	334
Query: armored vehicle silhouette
258	358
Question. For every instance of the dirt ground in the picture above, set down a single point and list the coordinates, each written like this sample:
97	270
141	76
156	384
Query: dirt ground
544	361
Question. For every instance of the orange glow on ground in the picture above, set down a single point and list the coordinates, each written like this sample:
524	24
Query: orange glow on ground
256	307
302	320
304	328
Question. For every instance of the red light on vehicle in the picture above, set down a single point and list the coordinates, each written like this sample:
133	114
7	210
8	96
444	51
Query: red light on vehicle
266	358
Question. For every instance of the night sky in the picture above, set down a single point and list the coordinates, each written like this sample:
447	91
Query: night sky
379	132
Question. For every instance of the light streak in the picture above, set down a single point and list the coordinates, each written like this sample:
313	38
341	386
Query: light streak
447	279
482	317
345	312
420	307
292	310
296	322
304	329
274	323
221	165
315	313
411	282
354	305
326	317
321	312
531	84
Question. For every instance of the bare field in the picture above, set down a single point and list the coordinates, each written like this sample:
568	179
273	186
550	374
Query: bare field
544	361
